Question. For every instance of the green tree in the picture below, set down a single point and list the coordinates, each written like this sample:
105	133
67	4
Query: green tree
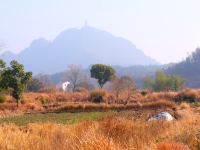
148	83
102	73
175	82
15	78
160	81
179	83
164	82
2	65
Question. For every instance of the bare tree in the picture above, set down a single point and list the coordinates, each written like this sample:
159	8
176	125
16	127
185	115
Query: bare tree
75	75
116	86
44	79
86	82
124	83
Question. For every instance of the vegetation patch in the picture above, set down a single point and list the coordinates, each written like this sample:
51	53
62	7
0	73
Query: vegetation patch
60	118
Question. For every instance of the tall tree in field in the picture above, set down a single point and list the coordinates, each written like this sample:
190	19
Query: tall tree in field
127	85
74	74
16	79
102	73
123	84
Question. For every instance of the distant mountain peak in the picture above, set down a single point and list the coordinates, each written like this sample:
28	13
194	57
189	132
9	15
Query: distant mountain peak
85	24
84	46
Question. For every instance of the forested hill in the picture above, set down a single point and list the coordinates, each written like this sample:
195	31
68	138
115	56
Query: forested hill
188	69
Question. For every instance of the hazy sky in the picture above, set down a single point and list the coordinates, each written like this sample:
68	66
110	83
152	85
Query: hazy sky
166	30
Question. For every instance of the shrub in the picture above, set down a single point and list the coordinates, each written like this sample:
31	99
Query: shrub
97	96
196	104
23	101
32	106
144	93
184	105
2	99
187	95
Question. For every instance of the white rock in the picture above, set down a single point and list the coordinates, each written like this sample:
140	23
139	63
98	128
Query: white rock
162	116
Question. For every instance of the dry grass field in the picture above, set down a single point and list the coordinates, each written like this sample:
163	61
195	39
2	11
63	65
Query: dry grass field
62	121
122	131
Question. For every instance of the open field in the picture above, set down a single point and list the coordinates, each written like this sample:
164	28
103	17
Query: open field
59	118
122	131
45	121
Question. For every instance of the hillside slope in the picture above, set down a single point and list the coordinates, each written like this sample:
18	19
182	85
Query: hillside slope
189	69
83	46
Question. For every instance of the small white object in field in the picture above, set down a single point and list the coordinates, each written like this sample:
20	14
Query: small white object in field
162	116
65	85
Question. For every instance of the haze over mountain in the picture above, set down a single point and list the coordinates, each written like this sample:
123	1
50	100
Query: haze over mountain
83	46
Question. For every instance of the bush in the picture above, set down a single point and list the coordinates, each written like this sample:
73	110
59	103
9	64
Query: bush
2	99
97	96
184	105
187	95
144	93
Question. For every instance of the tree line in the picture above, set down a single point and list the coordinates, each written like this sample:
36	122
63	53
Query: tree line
163	82
105	73
16	80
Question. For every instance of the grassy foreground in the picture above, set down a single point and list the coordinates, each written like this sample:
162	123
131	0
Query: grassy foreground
60	118
127	130
113	133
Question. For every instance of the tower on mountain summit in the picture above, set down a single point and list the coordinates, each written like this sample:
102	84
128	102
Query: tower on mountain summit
85	23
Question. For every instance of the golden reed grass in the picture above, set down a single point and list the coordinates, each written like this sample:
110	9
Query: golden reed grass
113	133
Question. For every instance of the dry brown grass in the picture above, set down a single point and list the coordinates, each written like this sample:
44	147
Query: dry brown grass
79	101
56	96
171	146
89	107
119	132
189	95
8	113
113	133
161	95
184	105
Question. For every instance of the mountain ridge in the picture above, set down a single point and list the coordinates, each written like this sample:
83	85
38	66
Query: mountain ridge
83	46
188	69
